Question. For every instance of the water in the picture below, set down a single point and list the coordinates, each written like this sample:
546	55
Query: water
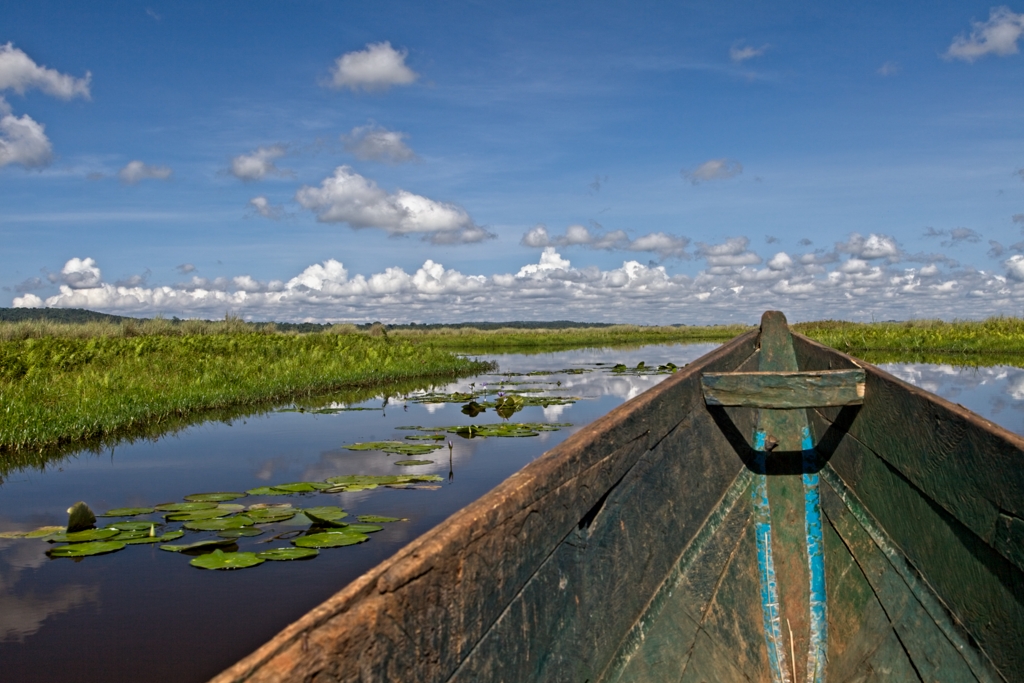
145	614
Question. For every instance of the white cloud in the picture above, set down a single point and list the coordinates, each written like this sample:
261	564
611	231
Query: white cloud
23	141
347	197
552	288
374	143
733	252
378	67
20	73
81	273
137	170
739	53
781	261
998	36
257	165
579	235
263	207
714	169
871	247
185	268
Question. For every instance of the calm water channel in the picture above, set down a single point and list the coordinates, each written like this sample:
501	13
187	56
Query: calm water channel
145	614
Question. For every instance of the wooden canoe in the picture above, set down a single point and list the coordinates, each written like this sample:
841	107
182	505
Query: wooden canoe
775	511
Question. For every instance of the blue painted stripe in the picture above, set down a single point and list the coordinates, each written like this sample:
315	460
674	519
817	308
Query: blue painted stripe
817	650
766	573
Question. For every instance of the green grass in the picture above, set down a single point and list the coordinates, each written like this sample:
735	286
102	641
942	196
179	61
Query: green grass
83	388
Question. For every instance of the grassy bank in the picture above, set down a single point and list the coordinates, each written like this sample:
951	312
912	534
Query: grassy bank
86	384
905	341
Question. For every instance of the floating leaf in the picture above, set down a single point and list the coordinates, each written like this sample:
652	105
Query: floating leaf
363	528
360	482
270	515
269	506
216	497
288	554
196	515
83	536
219	524
127	512
377	519
412	463
184	507
130	536
330	539
219	559
240	533
169	536
424	437
134	526
301	487
230	507
331	512
322	522
200	545
35	533
397	447
266	491
84	549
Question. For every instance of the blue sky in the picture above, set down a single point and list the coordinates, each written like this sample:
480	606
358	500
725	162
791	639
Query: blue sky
640	162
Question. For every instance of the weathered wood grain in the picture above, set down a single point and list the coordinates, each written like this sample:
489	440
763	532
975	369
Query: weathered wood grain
418	616
983	590
785	390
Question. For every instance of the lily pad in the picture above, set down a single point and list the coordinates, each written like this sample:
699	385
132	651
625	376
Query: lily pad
134	526
219	559
200	545
377	519
330	539
83	536
196	515
267	491
331	512
301	487
323	522
35	533
269	506
85	549
411	463
220	524
397	447
126	512
184	507
216	497
244	532
230	507
270	515
130	536
169	536
288	554
363	528
425	437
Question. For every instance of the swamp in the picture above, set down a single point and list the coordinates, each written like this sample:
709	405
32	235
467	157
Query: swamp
216	528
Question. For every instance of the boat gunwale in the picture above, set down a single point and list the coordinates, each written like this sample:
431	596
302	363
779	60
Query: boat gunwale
486	514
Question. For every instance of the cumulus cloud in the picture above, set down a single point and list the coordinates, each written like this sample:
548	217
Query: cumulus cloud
997	36
258	164
23	141
553	288
660	243
713	169
20	73
347	197
731	253
185	268
263	207
374	143
741	53
871	247
81	273
378	67
137	170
